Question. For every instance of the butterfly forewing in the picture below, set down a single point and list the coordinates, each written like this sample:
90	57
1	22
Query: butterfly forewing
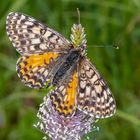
29	36
94	96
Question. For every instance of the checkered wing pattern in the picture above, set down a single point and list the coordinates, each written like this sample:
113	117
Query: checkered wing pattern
39	46
35	70
94	96
29	36
64	97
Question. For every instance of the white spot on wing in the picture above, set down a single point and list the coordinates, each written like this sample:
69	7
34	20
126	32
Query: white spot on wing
32	48
36	30
98	88
53	39
46	73
35	41
28	23
47	34
43	46
82	84
22	17
81	95
41	70
61	88
95	77
88	89
89	73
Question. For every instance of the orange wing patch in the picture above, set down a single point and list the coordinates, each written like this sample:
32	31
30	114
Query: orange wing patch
33	70
64	97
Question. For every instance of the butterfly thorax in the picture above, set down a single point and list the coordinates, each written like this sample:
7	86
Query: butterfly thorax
68	65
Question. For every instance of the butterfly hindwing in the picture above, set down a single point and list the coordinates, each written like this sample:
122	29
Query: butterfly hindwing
35	70
64	97
29	36
94	96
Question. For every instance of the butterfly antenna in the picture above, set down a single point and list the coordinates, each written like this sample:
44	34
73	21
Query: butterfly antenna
78	13
115	46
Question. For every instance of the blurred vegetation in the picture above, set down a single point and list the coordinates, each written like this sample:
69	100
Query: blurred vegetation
106	22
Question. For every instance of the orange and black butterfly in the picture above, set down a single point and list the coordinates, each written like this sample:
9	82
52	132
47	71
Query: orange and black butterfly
48	57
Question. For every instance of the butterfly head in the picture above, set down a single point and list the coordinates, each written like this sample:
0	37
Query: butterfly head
78	38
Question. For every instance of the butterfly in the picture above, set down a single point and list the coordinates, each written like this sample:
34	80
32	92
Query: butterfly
48	57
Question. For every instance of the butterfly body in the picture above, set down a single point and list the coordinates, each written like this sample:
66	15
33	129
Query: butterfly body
67	66
47	56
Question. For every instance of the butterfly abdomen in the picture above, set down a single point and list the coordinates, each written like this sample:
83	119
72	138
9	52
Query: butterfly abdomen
69	62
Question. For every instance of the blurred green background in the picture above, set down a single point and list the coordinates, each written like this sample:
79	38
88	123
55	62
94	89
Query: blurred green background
106	22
